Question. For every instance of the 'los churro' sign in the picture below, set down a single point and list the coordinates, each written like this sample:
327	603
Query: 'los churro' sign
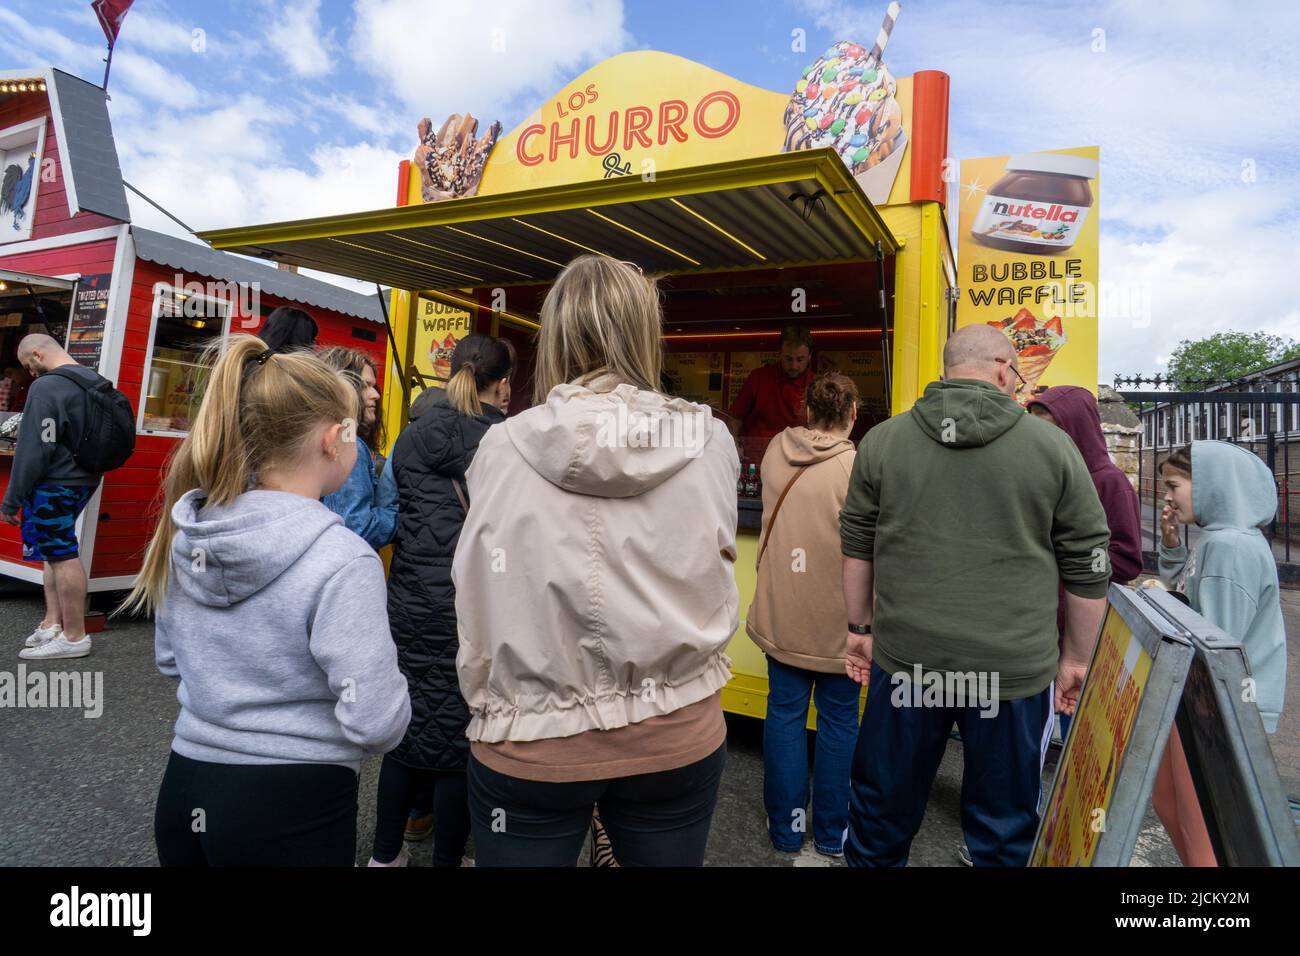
637	113
1027	258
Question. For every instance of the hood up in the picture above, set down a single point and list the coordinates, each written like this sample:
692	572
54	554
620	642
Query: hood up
615	443
1075	410
965	413
226	553
1231	488
806	446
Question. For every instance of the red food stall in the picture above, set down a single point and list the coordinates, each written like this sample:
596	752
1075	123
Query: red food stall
135	304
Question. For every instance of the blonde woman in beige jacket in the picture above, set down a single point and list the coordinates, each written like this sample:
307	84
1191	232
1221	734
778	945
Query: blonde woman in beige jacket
797	617
595	594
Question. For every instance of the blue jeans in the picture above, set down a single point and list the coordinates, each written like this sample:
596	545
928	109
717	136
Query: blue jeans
785	755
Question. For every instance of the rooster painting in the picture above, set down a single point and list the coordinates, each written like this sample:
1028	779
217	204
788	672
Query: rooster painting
16	190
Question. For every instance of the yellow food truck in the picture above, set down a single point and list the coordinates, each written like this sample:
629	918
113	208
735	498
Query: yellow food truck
823	205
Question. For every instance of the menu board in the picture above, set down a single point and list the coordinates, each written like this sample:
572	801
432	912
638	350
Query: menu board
695	376
88	318
866	367
1099	738
742	363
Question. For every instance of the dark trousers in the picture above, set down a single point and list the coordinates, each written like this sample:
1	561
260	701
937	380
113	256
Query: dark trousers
400	787
215	814
898	754
653	819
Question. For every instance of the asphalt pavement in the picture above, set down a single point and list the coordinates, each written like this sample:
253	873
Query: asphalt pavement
78	791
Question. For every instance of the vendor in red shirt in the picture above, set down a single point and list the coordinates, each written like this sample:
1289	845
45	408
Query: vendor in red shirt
772	397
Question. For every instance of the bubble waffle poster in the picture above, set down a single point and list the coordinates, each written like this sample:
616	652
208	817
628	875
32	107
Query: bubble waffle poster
438	328
1028	261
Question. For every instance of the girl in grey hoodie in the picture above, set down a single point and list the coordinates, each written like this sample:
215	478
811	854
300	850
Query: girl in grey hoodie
271	615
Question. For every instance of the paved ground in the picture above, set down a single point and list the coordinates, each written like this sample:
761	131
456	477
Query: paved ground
81	792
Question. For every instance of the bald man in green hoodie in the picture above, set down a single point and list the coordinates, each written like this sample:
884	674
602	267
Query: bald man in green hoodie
963	516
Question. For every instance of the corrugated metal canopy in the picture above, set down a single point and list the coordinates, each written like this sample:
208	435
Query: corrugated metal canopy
176	253
789	209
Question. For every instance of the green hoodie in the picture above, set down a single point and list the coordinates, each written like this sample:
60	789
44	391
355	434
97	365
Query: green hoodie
973	512
1232	578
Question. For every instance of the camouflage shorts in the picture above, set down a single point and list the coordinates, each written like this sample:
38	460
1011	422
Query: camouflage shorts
50	521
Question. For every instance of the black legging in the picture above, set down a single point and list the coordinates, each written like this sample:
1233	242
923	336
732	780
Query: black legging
216	814
653	819
398	787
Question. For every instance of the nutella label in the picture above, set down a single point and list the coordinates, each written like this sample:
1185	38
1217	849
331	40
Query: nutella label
1049	225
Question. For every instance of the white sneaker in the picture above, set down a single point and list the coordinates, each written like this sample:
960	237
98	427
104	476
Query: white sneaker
56	648
403	859
42	634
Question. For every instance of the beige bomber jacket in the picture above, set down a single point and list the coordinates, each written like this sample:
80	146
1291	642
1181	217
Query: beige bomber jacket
594	579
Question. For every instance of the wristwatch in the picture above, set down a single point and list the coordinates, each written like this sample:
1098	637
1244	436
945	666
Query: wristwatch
860	628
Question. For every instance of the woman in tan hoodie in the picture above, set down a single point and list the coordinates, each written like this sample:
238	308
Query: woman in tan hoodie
595	594
797	617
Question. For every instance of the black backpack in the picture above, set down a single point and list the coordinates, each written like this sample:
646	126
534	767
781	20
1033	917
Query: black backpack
108	439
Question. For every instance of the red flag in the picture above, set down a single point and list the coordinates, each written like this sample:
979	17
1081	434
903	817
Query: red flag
111	13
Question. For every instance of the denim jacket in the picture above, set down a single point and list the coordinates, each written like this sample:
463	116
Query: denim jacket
367	507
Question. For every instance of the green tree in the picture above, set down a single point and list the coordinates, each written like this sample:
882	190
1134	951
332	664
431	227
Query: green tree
1228	355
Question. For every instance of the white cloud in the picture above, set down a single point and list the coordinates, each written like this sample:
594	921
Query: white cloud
446	58
1202	277
149	78
299	37
226	167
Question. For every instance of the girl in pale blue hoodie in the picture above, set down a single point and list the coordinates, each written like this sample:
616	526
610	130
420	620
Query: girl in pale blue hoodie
271	616
1231	579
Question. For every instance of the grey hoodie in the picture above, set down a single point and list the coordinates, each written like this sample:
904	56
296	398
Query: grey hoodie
275	621
1232	578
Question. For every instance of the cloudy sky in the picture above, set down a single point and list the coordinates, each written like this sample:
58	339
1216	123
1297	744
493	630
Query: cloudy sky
231	112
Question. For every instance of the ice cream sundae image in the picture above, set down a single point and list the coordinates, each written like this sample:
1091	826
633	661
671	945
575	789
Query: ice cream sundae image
845	100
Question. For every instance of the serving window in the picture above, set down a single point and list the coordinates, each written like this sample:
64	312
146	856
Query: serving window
184	324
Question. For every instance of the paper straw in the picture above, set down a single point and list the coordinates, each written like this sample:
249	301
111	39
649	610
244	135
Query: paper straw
882	37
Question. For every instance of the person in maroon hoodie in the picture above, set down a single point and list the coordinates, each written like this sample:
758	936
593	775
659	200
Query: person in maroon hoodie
1074	411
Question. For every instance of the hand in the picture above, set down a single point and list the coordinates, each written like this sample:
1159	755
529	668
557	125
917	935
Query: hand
12	519
1069	684
857	659
1169	528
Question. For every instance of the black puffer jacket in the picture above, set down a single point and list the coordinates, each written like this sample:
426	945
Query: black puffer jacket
433	450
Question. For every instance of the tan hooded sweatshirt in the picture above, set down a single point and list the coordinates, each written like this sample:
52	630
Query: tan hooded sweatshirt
594	579
797	615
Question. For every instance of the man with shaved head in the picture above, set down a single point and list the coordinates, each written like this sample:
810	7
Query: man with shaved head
47	492
963	516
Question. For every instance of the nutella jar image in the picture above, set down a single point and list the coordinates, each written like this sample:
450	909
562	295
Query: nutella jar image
1039	205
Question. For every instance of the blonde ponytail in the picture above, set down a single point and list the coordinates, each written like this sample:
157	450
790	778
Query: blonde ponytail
258	409
462	391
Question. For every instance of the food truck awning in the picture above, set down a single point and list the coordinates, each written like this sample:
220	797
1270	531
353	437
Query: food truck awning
788	209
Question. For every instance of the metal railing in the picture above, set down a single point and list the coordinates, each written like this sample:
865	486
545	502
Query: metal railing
1266	422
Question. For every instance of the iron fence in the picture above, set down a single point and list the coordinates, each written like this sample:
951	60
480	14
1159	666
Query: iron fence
1266	422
